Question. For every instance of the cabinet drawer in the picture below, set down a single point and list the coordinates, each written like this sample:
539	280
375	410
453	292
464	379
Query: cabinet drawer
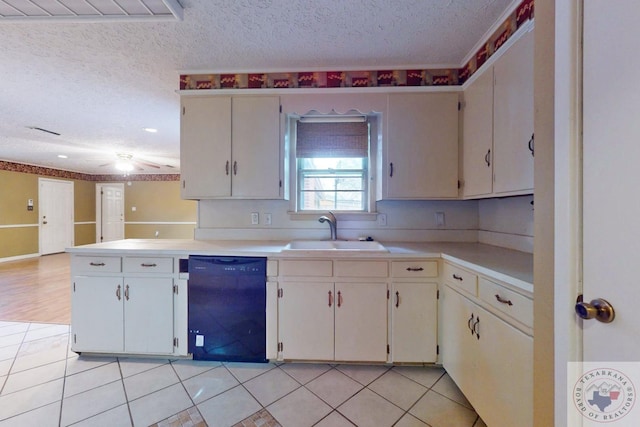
515	305
314	268
96	264
410	269
361	268
460	278
148	265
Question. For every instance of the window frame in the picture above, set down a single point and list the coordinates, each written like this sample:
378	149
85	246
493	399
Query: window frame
375	135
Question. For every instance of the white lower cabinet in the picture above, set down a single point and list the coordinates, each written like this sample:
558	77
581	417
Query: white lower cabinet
327	321
305	320
490	361
361	322
115	315
128	305
414	322
97	318
362	310
148	315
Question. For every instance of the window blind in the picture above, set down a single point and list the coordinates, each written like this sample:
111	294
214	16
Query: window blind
332	140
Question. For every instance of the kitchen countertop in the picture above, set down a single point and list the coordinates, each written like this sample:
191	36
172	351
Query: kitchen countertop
510	266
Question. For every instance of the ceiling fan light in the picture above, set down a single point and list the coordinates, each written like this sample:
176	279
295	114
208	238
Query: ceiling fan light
124	166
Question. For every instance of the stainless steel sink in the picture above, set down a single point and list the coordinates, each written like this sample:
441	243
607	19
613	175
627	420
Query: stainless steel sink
334	245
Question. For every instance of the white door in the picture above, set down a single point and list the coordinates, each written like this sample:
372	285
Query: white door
56	215
611	206
110	209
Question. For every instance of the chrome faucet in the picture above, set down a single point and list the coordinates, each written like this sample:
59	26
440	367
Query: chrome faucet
333	224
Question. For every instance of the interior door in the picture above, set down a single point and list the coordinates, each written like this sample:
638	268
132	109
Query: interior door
611	176
111	218
56	215
611	206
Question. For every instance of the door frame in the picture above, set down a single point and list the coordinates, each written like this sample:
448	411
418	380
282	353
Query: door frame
99	206
72	209
558	204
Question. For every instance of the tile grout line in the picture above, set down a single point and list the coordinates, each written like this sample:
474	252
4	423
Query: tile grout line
187	392
126	398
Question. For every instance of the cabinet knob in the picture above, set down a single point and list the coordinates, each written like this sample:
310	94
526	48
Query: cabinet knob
598	309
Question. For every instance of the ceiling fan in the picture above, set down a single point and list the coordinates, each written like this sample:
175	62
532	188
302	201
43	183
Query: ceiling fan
126	164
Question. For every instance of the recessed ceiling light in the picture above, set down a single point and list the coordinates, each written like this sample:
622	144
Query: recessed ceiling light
63	156
150	130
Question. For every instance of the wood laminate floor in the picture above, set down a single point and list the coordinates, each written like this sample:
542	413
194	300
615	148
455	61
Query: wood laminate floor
36	289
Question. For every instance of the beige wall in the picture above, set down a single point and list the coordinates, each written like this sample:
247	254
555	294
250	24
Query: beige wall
159	208
18	226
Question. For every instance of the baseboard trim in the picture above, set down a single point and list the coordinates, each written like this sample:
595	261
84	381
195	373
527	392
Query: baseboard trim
18	257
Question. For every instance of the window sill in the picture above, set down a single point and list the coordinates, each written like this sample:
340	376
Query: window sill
341	216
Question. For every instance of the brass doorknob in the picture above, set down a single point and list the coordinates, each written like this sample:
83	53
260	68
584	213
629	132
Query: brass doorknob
598	309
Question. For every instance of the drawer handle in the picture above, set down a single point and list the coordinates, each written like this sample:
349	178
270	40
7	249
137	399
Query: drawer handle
476	328
455	276
415	269
339	299
148	265
118	293
397	299
126	292
97	264
330	299
469	323
503	301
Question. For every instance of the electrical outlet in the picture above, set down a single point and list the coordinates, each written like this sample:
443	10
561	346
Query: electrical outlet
440	219
267	218
255	218
382	220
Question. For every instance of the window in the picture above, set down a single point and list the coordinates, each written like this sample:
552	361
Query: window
332	162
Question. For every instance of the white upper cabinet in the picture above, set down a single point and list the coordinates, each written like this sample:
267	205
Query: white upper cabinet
477	134
205	147
230	147
513	118
420	154
498	126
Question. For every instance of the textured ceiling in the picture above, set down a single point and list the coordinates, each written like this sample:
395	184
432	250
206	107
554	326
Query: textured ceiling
99	84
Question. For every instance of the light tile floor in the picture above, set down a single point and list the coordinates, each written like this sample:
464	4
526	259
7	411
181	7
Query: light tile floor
43	383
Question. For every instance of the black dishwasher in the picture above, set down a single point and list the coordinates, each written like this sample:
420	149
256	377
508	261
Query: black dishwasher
227	308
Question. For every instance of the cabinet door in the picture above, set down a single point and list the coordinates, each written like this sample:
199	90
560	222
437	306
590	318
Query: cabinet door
97	316
505	368
513	118
361	322
458	344
477	155
305	319
414	317
256	147
205	147
421	150
148	315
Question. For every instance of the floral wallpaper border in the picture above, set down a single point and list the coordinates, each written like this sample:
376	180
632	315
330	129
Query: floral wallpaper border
365	78
58	173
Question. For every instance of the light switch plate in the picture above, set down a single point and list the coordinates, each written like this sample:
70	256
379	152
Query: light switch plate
267	218
255	218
